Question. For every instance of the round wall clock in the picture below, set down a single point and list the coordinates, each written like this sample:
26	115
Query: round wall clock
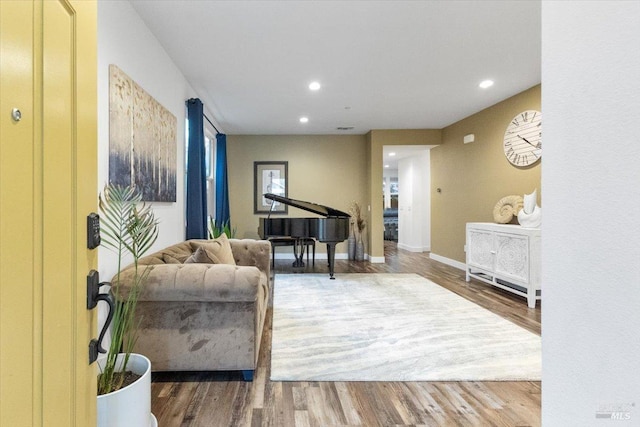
523	138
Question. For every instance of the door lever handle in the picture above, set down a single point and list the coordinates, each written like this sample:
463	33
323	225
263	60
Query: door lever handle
93	297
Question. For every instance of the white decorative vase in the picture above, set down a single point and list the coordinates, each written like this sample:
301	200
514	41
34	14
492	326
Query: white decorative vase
359	249
351	244
129	406
530	216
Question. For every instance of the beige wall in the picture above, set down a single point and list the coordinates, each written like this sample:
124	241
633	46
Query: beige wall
473	177
330	170
335	170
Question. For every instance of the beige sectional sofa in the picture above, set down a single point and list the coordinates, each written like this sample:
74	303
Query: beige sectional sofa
197	316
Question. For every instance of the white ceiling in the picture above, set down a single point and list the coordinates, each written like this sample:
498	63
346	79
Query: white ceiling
382	64
392	154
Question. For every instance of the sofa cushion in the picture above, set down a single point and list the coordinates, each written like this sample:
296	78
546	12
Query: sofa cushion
172	259
216	251
150	260
180	252
176	254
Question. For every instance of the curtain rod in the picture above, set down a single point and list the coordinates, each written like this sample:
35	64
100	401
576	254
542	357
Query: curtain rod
211	123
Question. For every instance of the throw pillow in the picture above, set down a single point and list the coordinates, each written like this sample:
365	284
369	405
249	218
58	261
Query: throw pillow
217	251
199	256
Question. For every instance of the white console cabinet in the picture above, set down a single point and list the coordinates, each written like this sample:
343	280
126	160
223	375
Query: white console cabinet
506	256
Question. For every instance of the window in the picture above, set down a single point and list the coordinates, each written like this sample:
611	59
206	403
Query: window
209	163
210	169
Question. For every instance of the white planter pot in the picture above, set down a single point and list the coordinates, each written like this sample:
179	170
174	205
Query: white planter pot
129	406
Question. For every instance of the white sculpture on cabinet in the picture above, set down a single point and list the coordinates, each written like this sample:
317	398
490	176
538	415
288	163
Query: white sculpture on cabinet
530	216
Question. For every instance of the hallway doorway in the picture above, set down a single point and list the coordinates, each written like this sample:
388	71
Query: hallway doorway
407	196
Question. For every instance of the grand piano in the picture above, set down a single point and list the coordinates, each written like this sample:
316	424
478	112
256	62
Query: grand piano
332	229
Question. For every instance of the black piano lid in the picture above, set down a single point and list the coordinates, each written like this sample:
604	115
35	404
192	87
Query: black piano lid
308	206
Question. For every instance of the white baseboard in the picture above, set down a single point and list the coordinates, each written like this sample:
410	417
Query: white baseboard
414	248
378	259
373	260
318	256
452	262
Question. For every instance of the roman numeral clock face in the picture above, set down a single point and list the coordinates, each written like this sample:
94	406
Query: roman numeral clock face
523	138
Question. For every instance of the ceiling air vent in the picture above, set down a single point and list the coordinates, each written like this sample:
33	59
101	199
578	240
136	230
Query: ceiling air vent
345	128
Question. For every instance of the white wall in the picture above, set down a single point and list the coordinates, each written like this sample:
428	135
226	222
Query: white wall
425	198
124	40
591	231
414	208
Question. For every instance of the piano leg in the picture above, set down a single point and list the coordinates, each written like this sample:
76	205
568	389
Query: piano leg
331	254
298	253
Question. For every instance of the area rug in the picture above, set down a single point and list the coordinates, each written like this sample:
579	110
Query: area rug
392	327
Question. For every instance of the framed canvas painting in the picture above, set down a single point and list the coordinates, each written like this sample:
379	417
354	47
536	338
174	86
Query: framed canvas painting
269	177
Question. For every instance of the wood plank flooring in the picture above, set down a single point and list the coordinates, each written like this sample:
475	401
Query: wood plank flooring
222	399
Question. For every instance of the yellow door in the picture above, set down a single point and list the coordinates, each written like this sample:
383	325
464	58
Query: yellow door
48	160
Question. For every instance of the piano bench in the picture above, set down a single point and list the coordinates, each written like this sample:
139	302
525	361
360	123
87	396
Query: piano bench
290	241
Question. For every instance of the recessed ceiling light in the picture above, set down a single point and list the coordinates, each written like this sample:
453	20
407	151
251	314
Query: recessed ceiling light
486	83
392	154
304	119
314	85
386	166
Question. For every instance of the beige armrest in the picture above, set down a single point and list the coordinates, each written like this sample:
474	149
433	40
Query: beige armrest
252	252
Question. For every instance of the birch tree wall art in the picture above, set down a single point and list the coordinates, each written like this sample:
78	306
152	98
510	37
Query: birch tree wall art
142	140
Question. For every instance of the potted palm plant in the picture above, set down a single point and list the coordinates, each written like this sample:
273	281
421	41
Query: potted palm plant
216	228
129	228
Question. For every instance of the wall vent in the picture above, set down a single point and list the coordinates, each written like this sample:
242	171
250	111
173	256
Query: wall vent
345	127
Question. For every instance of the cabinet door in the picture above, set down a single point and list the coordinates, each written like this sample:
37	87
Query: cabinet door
480	249
512	257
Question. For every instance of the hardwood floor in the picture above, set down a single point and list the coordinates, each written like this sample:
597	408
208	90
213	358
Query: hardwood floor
223	399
